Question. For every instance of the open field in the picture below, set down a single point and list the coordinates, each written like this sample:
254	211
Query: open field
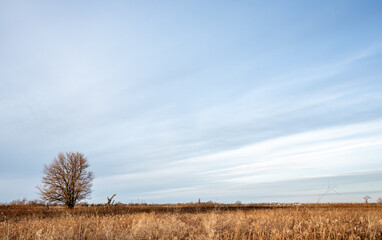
193	221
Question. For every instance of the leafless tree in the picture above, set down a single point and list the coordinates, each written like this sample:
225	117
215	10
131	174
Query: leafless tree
67	179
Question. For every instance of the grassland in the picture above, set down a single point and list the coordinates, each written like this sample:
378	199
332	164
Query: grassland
193	221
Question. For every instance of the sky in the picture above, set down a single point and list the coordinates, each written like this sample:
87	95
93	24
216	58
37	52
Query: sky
176	101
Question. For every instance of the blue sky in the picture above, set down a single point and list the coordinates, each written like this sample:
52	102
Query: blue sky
172	101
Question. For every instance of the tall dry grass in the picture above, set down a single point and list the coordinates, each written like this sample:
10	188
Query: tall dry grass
324	221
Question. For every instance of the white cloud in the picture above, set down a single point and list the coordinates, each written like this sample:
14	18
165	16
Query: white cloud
322	153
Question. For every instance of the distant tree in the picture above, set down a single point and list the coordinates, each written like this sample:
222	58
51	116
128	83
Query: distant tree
367	197
379	200
67	179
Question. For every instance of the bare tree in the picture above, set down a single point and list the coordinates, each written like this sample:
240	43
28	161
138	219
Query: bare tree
67	179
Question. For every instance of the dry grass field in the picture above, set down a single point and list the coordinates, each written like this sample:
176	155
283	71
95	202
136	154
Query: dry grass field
193	221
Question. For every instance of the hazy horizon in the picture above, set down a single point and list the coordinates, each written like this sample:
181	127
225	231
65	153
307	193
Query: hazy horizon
175	101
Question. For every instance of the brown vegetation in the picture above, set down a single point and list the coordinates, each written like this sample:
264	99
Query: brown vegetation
193	221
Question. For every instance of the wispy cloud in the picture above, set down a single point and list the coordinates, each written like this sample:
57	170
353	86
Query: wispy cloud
320	154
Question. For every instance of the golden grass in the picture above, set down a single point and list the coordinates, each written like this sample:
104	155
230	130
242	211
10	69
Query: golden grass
322	221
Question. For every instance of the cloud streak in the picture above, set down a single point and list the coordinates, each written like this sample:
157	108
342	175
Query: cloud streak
331	154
